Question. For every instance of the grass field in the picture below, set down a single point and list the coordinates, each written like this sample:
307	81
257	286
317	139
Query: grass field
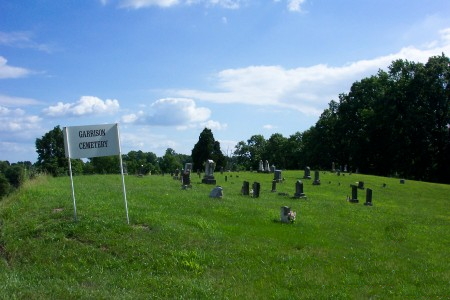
182	244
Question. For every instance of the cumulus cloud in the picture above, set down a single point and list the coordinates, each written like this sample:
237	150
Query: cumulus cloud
7	71
182	113
305	89
16	120
87	105
170	112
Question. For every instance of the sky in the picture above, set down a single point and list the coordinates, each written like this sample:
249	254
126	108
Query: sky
166	69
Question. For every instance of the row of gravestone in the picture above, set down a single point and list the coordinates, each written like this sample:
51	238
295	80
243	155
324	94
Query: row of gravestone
299	192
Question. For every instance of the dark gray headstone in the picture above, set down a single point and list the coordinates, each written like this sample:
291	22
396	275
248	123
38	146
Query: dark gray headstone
307	174
368	197
246	188
186	178
354	198
256	189
274	186
299	189
316	178
277	176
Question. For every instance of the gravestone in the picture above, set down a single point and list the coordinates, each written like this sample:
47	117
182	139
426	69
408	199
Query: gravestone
333	167
266	167
261	166
274	186
272	168
188	167
316	178
277	176
256	189
216	192
402	181
284	214
299	190
307	173
246	188
354	198
208	178
186	178
361	185
368	197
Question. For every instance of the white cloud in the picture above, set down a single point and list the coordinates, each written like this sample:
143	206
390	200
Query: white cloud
214	125
137	4
182	113
16	120
16	101
295	5
170	112
87	105
269	126
143	138
305	89
11	72
22	39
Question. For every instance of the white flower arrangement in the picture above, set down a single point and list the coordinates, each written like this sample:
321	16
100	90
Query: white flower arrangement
291	216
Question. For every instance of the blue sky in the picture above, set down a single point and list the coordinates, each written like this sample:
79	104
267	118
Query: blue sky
166	69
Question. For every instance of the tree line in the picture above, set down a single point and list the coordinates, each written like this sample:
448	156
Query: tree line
394	123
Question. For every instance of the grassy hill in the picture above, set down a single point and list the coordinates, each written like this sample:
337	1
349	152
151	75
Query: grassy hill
183	244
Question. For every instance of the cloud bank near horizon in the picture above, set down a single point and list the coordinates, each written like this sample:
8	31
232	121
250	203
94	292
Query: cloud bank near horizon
305	89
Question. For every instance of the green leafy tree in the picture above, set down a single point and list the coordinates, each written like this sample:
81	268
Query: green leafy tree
170	161
276	149
105	164
50	149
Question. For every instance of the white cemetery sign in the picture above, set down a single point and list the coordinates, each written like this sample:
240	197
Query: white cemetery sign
93	141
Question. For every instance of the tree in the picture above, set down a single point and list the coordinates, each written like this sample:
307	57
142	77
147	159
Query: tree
4	186
276	149
50	149
170	161
15	175
217	155
105	164
207	148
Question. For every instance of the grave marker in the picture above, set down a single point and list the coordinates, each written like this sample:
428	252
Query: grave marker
316	178
368	197
354	198
299	190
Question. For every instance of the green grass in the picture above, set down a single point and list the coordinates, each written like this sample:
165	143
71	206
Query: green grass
183	244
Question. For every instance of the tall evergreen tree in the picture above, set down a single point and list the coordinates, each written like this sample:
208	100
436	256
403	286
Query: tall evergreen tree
207	148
